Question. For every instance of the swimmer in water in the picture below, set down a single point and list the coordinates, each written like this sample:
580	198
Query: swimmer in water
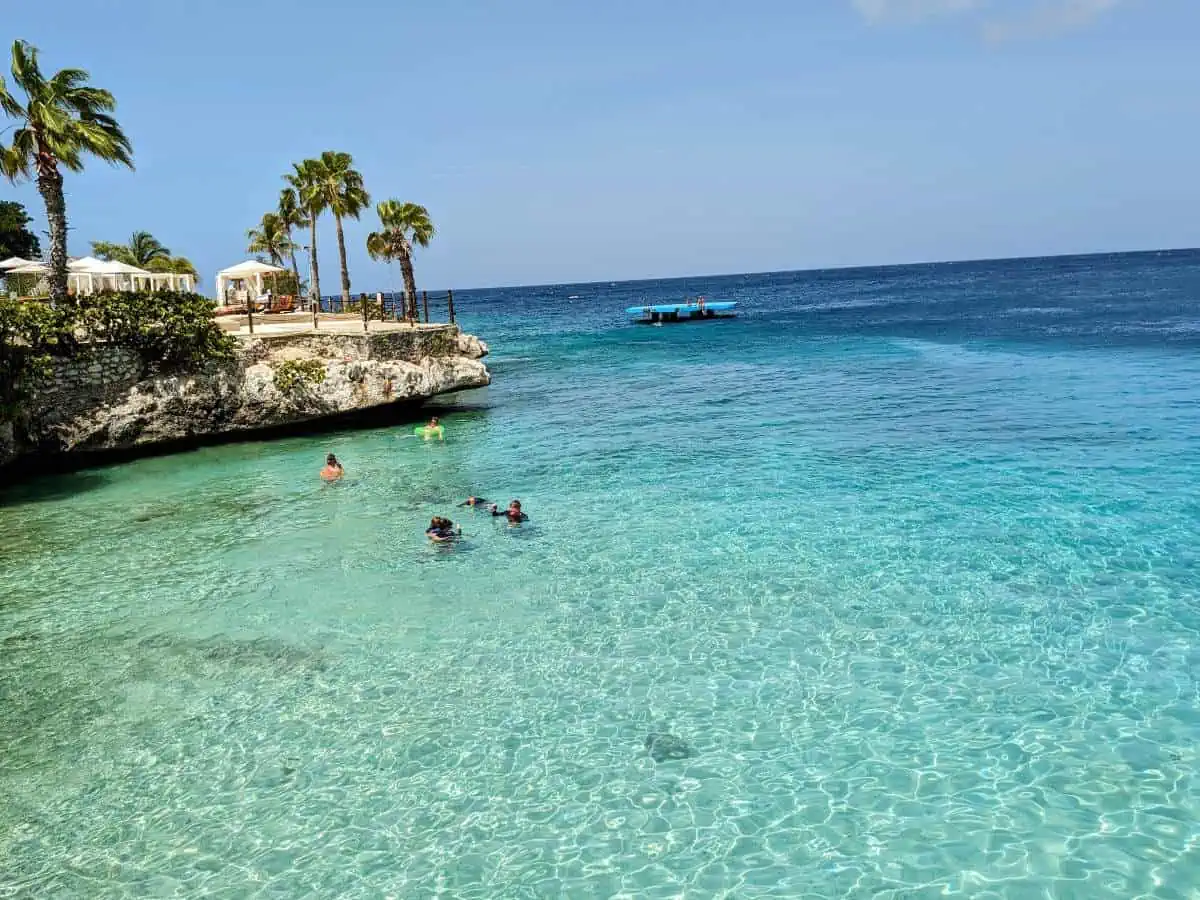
441	530
513	513
333	469
474	501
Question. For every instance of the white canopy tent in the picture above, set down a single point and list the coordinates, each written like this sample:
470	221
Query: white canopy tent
17	285
15	262
87	275
250	271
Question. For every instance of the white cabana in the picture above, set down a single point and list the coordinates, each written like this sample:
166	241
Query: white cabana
15	262
250	271
16	283
88	275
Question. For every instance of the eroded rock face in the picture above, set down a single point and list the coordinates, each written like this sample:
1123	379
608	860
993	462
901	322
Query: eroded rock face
101	404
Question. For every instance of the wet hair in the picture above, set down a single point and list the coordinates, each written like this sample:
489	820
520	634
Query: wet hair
331	460
516	503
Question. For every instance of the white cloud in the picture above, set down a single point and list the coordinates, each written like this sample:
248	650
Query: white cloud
909	10
998	19
1048	18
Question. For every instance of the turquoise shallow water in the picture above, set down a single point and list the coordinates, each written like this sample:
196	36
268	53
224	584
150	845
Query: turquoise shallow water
906	557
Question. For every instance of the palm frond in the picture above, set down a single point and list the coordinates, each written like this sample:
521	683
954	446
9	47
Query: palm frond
25	68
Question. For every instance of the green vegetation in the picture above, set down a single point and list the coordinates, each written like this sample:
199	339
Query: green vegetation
15	237
293	373
167	330
292	216
31	333
330	182
145	251
303	182
404	224
272	238
62	121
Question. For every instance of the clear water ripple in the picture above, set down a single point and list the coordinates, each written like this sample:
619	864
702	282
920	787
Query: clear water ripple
906	557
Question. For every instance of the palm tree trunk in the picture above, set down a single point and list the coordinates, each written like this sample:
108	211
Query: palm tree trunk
295	271
315	287
342	256
410	284
50	186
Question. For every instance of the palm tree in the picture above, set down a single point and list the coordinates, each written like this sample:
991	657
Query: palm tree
341	187
62	120
270	237
177	265
404	224
292	215
143	249
305	180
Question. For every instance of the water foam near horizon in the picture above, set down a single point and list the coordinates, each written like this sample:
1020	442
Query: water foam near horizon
906	558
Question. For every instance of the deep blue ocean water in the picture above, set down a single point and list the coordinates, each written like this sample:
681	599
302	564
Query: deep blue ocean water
906	558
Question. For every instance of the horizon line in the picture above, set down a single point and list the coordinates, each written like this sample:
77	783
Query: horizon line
845	268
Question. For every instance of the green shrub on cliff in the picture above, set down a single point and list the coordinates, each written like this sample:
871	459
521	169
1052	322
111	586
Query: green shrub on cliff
31	334
166	328
294	372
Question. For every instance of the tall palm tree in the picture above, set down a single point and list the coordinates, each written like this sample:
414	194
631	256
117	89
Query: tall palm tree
62	120
143	249
341	187
305	179
270	237
404	224
292	215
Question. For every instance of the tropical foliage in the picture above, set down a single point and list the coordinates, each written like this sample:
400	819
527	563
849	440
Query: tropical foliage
145	251
143	248
293	373
168	330
303	181
340	188
293	216
404	225
15	237
30	332
272	238
61	121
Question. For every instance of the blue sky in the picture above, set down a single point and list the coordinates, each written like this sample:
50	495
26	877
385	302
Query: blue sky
571	141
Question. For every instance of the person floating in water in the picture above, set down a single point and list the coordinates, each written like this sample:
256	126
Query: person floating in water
433	430
441	530
474	501
513	513
333	469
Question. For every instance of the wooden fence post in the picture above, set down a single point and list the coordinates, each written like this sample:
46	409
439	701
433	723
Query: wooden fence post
450	301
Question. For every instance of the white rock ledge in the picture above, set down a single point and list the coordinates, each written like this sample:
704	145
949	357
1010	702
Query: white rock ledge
106	400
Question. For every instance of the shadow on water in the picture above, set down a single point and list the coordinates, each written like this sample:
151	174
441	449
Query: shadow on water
50	488
36	465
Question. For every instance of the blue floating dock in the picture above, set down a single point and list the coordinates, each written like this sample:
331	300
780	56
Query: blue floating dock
682	312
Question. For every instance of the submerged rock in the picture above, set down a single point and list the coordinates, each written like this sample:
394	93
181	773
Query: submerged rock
663	747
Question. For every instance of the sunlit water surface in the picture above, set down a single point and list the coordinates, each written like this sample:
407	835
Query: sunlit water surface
906	560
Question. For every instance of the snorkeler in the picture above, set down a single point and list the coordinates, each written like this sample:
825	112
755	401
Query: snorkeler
441	530
333	469
513	513
474	501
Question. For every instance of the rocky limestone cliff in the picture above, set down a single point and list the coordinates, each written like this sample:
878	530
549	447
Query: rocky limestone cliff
105	399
